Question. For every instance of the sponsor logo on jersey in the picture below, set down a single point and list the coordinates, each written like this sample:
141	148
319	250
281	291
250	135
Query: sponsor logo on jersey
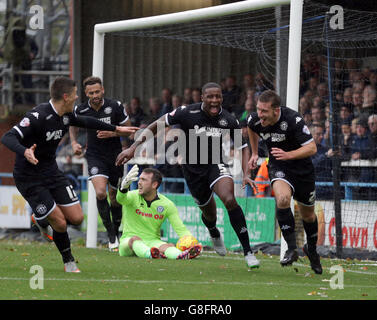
49	117
25	122
35	114
277	137
106	120
149	215
284	125
194	111
210	131
54	135
108	110
249	118
298	119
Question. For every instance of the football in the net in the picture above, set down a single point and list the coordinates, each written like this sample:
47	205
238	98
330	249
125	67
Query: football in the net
186	242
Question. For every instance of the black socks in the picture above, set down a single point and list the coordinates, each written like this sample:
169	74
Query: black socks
287	226
63	244
311	230
211	226
104	211
238	222
116	213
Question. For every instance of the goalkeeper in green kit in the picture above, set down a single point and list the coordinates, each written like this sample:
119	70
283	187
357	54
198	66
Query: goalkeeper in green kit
144	211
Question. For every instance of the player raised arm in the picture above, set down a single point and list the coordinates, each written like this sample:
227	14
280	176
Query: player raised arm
128	153
110	134
93	123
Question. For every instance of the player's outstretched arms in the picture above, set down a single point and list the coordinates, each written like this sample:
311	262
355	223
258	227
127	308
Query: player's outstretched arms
128	154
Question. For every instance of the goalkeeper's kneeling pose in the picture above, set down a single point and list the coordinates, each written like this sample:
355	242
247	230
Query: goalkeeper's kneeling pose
144	212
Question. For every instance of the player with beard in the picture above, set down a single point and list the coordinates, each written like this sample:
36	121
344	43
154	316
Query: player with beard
101	153
208	121
290	168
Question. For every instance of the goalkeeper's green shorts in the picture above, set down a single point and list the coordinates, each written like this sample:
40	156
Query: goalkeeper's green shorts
126	251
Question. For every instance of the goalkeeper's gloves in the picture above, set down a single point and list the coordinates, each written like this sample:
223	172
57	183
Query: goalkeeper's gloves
131	176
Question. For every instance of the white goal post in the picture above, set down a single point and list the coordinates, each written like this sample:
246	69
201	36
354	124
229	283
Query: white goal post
294	56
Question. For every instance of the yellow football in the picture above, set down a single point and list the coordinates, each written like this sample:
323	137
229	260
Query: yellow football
186	242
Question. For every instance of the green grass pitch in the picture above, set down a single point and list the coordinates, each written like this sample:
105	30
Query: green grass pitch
107	276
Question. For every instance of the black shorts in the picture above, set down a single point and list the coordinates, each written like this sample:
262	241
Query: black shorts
99	167
44	193
303	185
201	178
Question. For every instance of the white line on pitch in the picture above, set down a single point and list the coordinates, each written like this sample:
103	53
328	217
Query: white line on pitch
182	282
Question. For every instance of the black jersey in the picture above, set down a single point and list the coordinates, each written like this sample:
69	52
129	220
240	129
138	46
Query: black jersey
288	133
44	127
111	112
206	132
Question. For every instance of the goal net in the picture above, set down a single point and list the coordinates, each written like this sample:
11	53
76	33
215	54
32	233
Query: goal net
138	58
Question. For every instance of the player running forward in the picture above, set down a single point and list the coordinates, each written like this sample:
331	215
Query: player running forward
290	168
101	154
144	211
36	174
208	121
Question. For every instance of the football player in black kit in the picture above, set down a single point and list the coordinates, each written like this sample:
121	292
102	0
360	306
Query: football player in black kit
290	168
36	174
208	121
101	153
